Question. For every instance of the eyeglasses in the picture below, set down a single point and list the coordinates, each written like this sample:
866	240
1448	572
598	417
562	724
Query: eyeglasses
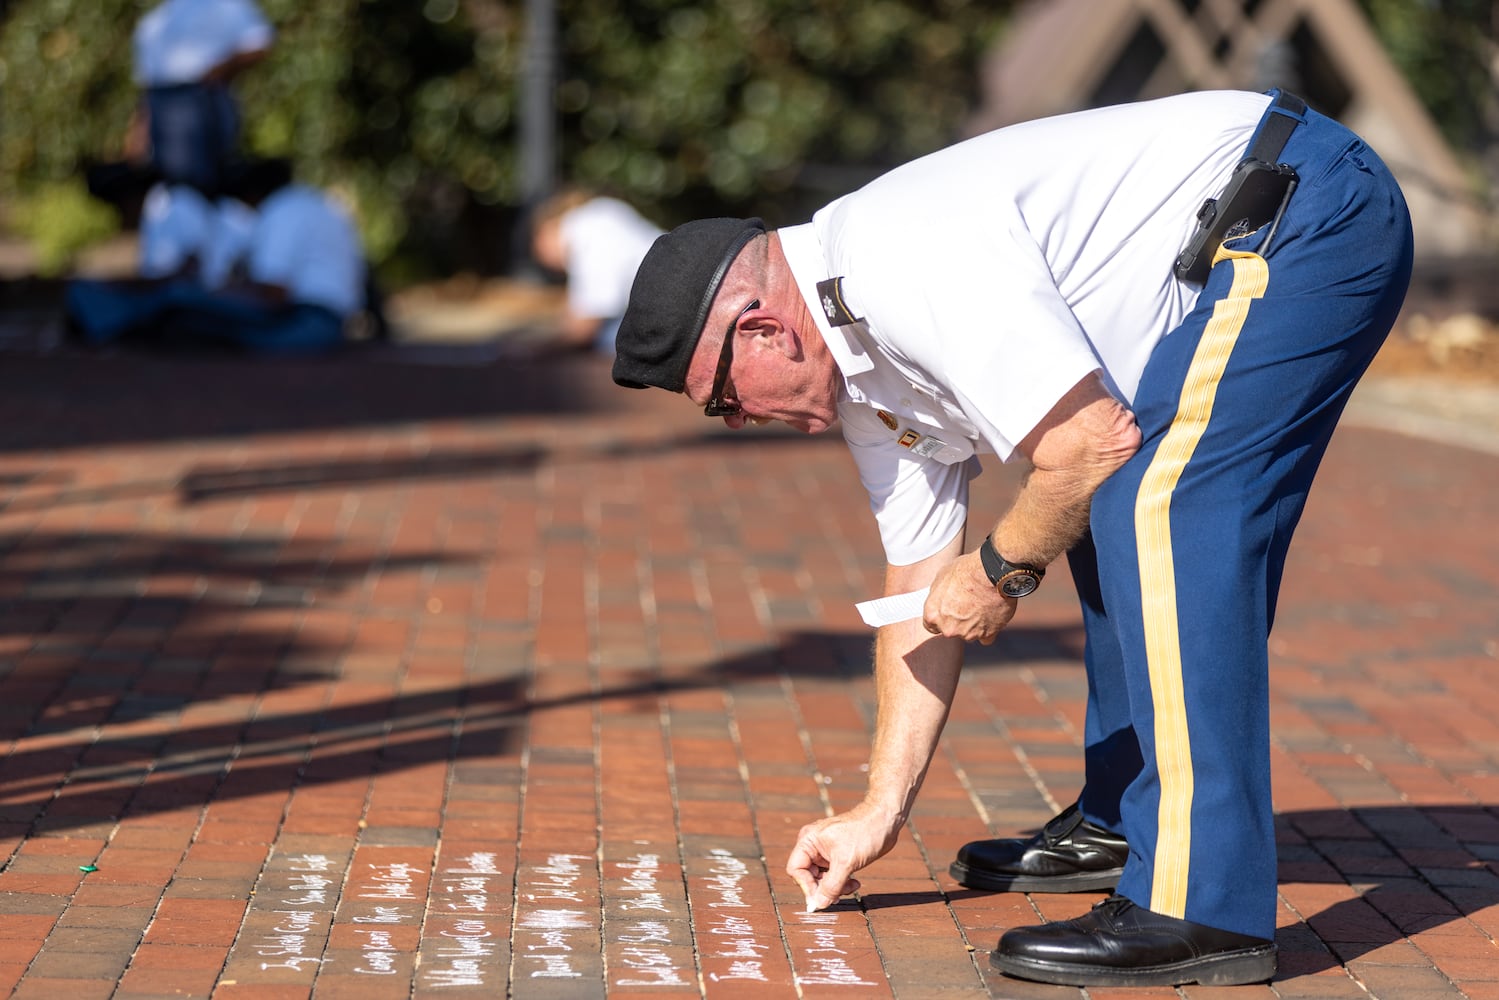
717	405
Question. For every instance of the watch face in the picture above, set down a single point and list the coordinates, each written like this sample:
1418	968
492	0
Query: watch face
1019	584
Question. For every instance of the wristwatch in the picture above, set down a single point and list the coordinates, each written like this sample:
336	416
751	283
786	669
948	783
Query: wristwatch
1010	579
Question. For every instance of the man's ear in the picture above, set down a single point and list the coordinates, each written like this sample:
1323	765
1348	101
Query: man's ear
771	332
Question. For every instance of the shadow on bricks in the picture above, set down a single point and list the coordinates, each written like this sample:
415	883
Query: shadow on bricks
80	400
144	760
1365	878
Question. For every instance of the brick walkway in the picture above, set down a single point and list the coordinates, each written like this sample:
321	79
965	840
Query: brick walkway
368	679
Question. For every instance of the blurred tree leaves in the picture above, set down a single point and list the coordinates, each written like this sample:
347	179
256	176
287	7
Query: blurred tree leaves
409	106
1449	51
746	106
686	107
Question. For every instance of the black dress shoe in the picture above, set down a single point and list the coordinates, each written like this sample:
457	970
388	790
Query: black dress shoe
1068	855
1120	944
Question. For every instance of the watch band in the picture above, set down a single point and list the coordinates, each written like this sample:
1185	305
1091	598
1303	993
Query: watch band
1010	579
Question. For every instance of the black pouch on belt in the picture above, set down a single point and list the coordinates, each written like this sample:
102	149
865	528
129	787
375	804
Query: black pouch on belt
1255	196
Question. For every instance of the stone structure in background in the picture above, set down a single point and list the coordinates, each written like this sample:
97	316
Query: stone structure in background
1067	55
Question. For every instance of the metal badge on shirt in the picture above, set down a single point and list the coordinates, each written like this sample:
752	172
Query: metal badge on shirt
838	312
930	446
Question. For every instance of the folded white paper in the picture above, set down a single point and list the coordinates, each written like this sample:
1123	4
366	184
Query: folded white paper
892	609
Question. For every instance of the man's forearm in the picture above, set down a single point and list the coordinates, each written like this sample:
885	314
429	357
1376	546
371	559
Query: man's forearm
1083	441
916	675
1048	516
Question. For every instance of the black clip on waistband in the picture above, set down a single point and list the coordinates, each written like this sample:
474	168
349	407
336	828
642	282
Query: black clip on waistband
1256	195
1285	113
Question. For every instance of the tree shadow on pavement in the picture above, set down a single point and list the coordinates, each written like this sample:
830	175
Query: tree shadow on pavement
24	490
78	401
1365	878
120	753
83	401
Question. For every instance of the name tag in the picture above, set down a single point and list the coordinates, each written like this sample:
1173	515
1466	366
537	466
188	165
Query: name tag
935	448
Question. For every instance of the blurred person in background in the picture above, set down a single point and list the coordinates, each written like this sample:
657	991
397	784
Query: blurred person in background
188	242
187	55
597	244
284	277
186	235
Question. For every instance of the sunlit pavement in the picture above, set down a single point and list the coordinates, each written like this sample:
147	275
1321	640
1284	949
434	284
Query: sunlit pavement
371	678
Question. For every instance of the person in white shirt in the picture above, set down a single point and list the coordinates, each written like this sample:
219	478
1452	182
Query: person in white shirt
176	227
1042	292
187	54
597	242
302	274
188	243
184	234
282	272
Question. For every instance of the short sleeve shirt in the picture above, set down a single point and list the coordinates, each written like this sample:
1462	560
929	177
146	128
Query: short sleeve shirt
989	278
228	249
305	242
176	226
180	41
605	241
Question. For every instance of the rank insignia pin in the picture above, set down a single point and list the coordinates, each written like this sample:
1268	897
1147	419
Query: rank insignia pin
833	304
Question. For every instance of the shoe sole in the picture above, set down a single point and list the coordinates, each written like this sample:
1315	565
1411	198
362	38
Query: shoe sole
1229	968
1100	881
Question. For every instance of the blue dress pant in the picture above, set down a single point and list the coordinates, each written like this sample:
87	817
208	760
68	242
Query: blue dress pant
194	129
180	311
1179	577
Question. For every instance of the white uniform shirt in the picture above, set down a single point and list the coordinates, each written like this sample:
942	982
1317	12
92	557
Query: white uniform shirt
305	242
229	249
604	240
181	40
992	276
178	224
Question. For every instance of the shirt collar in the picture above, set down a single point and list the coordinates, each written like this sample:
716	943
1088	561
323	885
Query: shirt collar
804	256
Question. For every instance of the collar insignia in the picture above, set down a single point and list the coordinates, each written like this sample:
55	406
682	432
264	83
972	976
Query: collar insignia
833	304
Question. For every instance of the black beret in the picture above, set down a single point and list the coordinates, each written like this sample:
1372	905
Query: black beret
670	300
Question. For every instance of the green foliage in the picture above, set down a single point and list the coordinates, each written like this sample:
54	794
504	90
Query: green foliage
410	107
1445	49
65	88
59	219
767	106
686	107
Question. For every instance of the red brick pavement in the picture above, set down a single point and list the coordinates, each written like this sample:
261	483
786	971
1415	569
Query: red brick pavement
370	679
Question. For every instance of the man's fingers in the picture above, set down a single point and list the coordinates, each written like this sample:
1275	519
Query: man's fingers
805	866
833	884
824	896
804	879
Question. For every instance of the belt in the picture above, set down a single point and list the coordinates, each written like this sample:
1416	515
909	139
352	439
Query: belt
1285	113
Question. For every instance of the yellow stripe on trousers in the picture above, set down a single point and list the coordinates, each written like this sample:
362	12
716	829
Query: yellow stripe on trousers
1173	748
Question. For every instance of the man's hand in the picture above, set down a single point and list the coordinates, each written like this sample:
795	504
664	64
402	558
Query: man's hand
964	604
828	852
